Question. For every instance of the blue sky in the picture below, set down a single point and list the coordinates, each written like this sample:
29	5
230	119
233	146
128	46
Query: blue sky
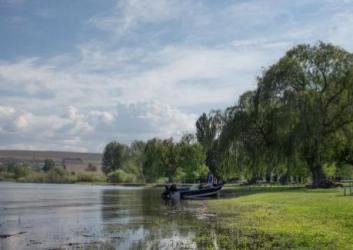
75	75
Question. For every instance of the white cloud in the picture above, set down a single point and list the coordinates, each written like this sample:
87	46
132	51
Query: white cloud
128	14
157	63
76	130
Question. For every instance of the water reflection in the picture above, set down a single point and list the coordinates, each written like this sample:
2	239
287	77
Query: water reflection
84	216
140	219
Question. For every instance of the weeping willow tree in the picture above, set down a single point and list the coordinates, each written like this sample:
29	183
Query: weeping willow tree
313	85
208	128
300	111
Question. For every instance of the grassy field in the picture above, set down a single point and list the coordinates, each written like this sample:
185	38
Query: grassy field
280	218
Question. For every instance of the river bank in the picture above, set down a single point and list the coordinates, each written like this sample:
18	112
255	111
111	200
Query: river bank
281	218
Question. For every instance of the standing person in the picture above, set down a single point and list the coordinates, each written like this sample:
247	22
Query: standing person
210	179
215	180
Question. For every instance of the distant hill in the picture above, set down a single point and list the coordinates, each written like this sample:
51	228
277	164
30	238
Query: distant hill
73	161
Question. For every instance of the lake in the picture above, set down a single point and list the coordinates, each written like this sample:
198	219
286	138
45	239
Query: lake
71	216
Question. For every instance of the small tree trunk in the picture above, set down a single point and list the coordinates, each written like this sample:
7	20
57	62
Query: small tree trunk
319	177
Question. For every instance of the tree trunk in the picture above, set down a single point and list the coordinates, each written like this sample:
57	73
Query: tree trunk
319	177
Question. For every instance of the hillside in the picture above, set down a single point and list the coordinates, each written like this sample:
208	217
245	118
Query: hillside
74	161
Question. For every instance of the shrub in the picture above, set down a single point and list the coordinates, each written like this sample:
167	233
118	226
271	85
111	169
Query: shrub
90	177
6	176
120	176
59	175
162	180
21	171
34	177
130	178
180	175
49	164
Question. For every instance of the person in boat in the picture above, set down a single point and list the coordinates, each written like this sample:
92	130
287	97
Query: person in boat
210	179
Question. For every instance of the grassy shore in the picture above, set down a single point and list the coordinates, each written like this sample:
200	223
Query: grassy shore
280	218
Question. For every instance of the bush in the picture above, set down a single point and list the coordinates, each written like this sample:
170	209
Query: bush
34	177
130	178
180	175
120	176
90	177
162	180
6	176
49	164
21	171
59	175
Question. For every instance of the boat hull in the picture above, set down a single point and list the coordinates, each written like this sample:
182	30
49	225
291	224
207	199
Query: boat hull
201	193
187	193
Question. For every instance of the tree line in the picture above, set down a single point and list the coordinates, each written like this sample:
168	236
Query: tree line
296	125
156	160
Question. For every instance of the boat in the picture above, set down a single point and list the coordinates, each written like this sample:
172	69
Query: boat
172	192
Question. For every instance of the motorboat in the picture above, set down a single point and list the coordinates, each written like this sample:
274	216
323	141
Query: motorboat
202	191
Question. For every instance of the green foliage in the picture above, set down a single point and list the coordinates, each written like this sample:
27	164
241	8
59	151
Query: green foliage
330	170
296	121
180	175
153	166
208	128
49	164
6	176
182	161
35	176
114	157
191	161
345	172
120	176
21	171
59	175
90	177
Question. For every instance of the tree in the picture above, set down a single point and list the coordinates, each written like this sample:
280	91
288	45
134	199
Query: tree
114	157
169	158
49	164
137	156
208	128
153	166
191	160
313	87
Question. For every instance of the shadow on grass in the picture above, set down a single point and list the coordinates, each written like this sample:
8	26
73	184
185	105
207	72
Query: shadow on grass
238	191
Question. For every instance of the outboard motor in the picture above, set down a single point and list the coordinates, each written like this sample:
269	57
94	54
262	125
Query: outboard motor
170	192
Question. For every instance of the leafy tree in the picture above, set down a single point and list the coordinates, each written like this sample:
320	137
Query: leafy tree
313	85
208	128
136	160
191	161
299	118
114	157
120	176
21	171
153	166
49	164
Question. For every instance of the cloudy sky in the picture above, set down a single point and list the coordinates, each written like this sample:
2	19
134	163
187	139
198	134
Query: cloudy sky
75	75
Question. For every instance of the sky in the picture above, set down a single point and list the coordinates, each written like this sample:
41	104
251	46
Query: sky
77	74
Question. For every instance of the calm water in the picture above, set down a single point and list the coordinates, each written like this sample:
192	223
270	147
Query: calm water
52	216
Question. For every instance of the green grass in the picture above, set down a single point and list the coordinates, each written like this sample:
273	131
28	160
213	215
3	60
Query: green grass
282	218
